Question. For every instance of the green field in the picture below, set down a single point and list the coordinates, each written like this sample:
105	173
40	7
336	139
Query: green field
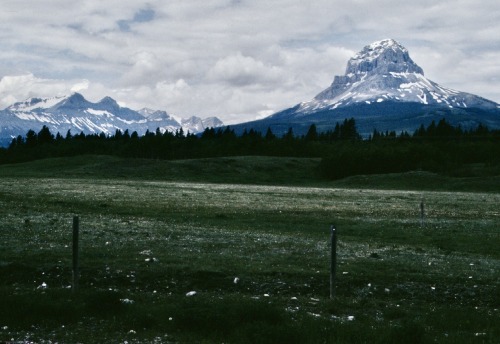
153	231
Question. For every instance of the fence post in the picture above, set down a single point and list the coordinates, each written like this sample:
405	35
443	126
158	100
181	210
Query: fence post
76	272
333	260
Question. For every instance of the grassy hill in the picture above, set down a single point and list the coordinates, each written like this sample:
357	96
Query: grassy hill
239	170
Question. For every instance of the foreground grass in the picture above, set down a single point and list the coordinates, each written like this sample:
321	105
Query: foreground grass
256	256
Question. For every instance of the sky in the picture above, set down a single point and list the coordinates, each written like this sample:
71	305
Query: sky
238	60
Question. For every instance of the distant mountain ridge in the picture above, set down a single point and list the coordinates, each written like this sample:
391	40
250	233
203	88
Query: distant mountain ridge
383	89
77	114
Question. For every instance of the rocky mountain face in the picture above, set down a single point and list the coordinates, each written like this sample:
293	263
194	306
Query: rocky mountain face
76	114
383	89
197	124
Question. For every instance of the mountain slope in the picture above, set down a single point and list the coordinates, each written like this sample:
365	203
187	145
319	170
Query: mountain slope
383	88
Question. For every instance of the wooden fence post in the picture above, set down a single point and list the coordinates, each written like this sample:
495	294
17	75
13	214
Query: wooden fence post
333	260
76	272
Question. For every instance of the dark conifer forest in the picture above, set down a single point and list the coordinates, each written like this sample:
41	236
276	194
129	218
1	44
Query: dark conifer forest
439	148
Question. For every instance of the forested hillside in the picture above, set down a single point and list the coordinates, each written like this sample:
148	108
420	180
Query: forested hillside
438	148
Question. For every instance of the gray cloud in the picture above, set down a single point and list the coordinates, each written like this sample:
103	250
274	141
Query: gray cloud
235	59
238	71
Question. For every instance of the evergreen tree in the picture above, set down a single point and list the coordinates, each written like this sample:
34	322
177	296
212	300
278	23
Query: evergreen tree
431	129
289	136
336	132
269	134
420	132
45	136
443	129
17	142
312	134
118	135
179	133
208	133
31	138
348	130
376	135
126	135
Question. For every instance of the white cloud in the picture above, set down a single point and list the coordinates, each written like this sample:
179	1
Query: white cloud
80	86
20	87
145	68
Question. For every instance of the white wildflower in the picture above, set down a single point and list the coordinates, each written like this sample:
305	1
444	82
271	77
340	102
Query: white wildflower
127	301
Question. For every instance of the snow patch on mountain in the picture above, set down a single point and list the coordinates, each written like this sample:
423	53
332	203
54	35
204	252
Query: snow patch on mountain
98	112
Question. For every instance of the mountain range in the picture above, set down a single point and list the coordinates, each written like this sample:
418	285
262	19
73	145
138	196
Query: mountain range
383	89
77	114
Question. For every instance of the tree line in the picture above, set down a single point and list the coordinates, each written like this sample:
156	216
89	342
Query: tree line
439	147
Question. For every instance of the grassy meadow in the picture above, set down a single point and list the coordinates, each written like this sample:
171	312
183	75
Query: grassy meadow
236	250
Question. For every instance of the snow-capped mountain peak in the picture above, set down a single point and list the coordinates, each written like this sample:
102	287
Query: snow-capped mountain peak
382	57
196	124
192	124
384	71
155	115
74	101
108	101
35	103
146	112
